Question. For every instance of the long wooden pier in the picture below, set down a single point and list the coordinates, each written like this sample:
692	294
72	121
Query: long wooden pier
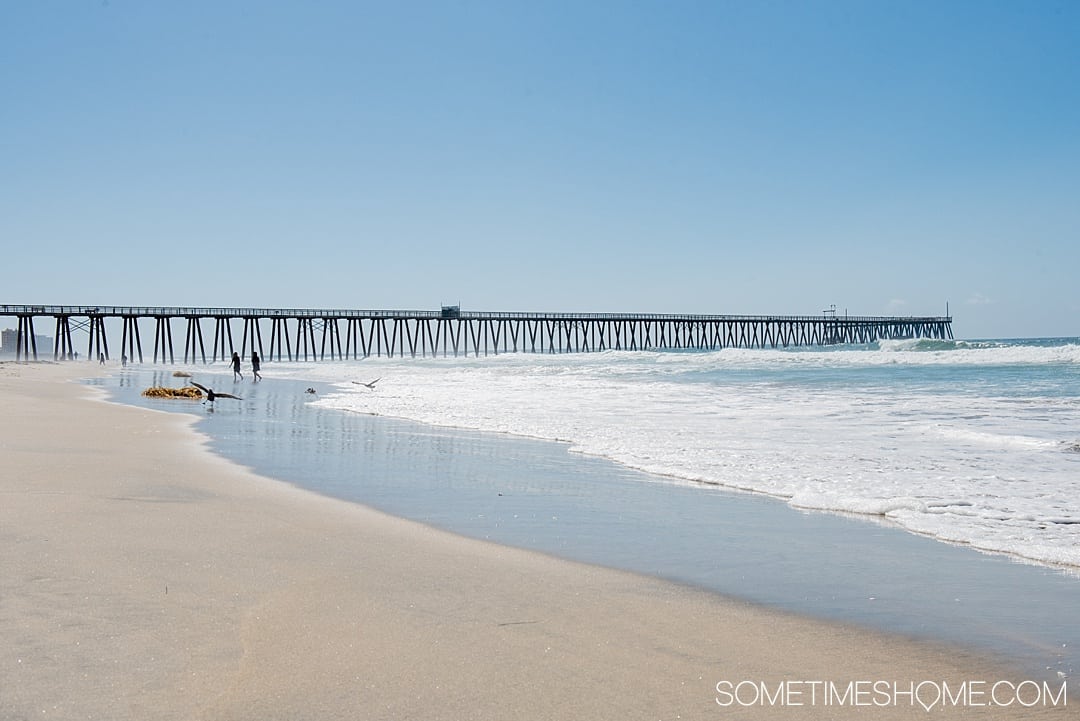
303	335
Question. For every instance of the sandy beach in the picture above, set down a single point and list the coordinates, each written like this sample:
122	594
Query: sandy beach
144	577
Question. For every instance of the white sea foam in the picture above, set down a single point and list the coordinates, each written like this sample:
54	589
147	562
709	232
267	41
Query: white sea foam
969	443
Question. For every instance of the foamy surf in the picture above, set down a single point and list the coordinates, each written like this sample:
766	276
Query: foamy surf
969	442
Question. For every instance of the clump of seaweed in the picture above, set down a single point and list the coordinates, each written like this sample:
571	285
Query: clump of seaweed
181	374
162	392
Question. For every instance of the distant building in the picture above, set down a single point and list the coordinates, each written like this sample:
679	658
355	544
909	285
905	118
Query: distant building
9	342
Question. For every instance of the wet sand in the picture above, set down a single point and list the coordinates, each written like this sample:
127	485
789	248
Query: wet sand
535	494
143	577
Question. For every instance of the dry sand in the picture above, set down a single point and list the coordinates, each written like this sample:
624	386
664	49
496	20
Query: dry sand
144	578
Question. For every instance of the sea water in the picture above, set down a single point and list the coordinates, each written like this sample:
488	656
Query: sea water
859	463
971	442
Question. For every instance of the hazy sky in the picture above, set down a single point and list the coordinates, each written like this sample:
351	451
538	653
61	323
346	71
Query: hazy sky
678	157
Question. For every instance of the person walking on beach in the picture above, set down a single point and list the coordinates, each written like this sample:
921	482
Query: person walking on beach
237	375
255	365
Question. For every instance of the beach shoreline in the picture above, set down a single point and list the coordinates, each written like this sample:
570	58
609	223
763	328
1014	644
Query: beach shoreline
147	577
537	495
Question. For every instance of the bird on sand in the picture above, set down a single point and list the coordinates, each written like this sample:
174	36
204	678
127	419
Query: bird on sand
370	384
212	395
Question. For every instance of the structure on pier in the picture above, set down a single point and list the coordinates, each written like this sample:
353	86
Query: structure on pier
317	334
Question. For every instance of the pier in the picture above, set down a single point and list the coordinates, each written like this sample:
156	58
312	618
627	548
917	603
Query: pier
212	334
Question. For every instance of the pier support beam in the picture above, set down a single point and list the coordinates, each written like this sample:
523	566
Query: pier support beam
98	347
25	342
253	333
62	347
163	339
193	339
130	343
222	333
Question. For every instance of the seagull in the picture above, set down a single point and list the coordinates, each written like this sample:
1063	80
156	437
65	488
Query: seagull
211	395
369	385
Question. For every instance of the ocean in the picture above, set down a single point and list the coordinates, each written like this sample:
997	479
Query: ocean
973	442
922	487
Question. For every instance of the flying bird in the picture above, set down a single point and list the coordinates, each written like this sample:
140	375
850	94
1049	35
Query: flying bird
212	395
370	384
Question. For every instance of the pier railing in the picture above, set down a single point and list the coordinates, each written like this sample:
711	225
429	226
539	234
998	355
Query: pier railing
448	331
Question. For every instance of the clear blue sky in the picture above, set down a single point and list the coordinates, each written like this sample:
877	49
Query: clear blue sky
698	157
